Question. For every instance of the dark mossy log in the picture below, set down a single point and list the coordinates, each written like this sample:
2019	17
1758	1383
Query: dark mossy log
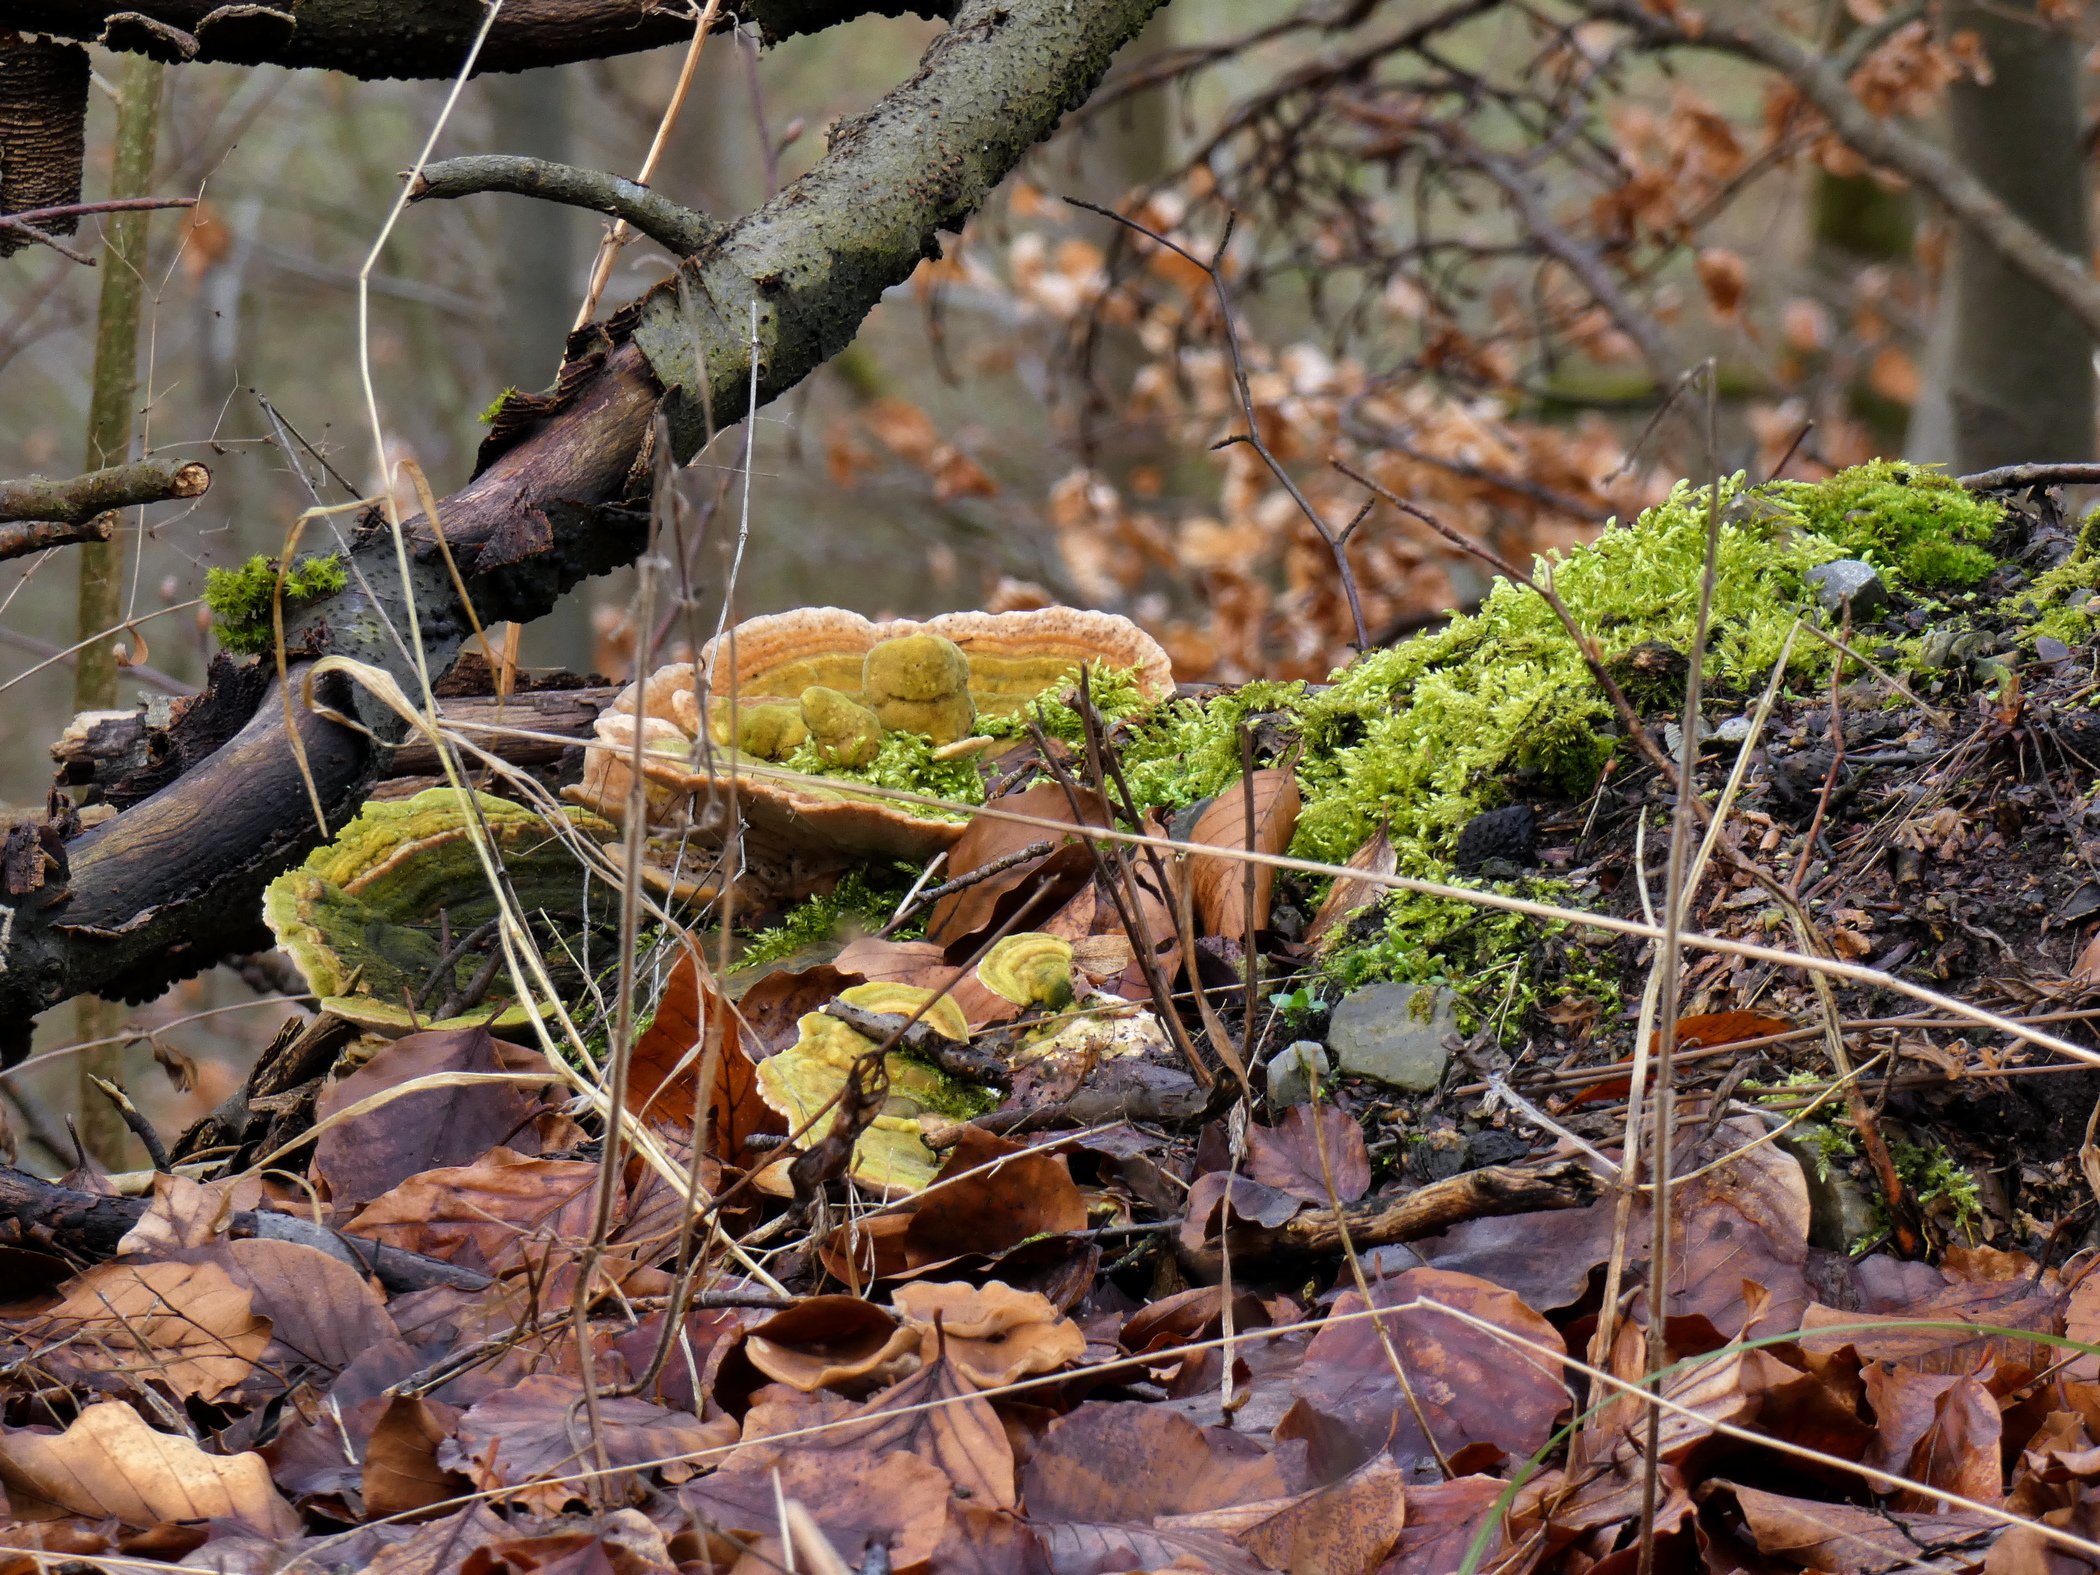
417	38
171	884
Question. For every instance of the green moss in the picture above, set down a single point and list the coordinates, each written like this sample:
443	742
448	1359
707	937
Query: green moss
1113	690
905	761
489	411
1490	960
1914	519
240	598
862	901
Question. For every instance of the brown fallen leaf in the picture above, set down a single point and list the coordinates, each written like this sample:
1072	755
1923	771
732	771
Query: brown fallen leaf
858	1497
524	1440
1941	1429
1443	1518
1350	895
1706	1030
1472	1388
109	1462
1288	1156
401	1472
663	1082
428	1130
187	1325
936	1414
1057	874
1847	1539
1127	1461
1345	1529
185	1213
992	1194
491	1215
1218	886
323	1314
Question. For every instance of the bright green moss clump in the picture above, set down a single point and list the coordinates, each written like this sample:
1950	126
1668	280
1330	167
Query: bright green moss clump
860	901
1920	522
240	599
905	761
1418	738
1113	690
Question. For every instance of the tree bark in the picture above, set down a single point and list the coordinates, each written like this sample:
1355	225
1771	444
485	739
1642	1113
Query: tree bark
171	884
2020	373
417	38
79	499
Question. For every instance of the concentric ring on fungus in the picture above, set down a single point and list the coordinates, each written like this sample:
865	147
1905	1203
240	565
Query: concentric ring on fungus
1013	657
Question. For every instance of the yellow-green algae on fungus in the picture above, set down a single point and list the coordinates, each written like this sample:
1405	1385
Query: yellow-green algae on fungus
240	599
891	1154
920	683
842	732
360	916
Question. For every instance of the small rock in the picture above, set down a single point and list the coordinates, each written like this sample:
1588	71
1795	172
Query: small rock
1510	834
1731	730
2048	648
1849	580
1394	1034
1840	1210
1295	1071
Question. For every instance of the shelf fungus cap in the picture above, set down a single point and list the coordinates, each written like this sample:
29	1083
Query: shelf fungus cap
360	917
1029	969
891	1156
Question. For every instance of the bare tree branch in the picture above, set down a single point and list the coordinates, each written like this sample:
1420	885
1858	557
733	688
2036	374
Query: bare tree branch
20	538
78	500
678	229
417	38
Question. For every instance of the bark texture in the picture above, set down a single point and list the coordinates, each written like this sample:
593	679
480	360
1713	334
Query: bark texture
43	129
79	499
171	884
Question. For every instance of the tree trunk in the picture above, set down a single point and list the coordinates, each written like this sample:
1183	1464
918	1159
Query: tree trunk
112	395
2020	367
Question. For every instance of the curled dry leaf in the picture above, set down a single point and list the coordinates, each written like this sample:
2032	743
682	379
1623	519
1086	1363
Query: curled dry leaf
109	1462
401	1471
1345	1529
1126	1461
1220	1190
1063	871
528	1439
828	1341
379	1149
993	1333
663	1080
858	1497
323	1314
1289	1155
187	1325
491	1215
1218	885
1351	894
992	1194
184	1213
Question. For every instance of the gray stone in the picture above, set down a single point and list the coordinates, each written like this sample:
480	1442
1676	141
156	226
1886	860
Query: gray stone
1731	730
1849	580
1295	1071
2048	648
1840	1210
1394	1034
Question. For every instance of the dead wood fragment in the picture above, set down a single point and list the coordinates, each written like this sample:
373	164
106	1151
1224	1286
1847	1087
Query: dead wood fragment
1384	1221
77	500
923	1040
35	1213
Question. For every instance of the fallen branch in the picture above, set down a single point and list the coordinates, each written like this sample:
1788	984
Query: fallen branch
88	1227
1383	1222
2039	473
680	230
77	500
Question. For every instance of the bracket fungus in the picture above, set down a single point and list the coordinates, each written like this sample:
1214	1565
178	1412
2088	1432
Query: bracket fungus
794	689
891	1155
1029	969
390	924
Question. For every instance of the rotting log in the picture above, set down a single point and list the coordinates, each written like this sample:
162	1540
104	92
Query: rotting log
171	884
1383	1222
417	38
87	1227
